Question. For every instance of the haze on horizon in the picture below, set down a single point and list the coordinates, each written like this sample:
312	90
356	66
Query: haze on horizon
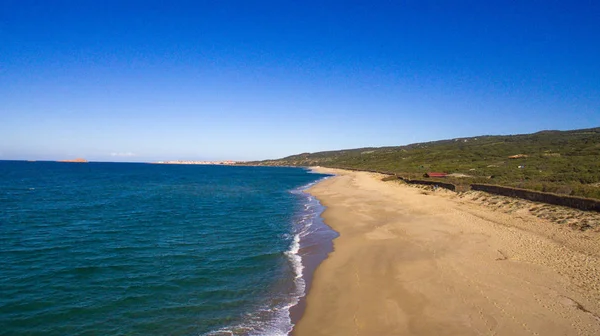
240	80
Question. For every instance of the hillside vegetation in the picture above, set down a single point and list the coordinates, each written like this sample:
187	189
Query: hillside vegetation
563	162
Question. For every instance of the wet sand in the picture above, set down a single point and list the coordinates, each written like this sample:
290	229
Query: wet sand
412	262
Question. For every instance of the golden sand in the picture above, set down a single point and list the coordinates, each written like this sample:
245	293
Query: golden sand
407	263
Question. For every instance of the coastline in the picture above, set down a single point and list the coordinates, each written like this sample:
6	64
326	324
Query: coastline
311	244
410	263
314	247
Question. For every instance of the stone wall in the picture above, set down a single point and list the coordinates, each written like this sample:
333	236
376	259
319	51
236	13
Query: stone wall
538	196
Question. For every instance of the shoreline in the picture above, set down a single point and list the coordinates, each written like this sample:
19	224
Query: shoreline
410	263
312	252
311	244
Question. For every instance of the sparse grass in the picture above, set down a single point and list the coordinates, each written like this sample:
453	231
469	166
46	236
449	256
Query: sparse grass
572	218
562	162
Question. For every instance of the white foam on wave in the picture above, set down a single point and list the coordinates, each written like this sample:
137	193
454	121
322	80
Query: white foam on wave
280	323
294	257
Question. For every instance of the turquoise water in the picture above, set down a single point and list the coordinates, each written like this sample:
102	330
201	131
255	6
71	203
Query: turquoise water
139	249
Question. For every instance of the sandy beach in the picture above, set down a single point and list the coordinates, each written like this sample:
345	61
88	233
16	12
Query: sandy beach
415	262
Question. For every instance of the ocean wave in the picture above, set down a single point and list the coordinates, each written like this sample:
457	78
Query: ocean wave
276	320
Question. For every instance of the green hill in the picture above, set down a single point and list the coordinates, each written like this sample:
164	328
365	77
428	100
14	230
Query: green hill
564	162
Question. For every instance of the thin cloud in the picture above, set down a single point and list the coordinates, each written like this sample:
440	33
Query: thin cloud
126	154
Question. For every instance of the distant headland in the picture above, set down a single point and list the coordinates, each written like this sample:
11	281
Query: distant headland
78	160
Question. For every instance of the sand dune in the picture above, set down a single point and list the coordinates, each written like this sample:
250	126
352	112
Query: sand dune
407	263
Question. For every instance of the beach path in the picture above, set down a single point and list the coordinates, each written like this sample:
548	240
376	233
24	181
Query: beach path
408	263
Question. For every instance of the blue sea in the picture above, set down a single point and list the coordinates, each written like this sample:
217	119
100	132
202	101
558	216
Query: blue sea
144	249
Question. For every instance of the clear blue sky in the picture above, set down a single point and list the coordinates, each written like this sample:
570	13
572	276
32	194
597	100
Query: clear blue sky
152	80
